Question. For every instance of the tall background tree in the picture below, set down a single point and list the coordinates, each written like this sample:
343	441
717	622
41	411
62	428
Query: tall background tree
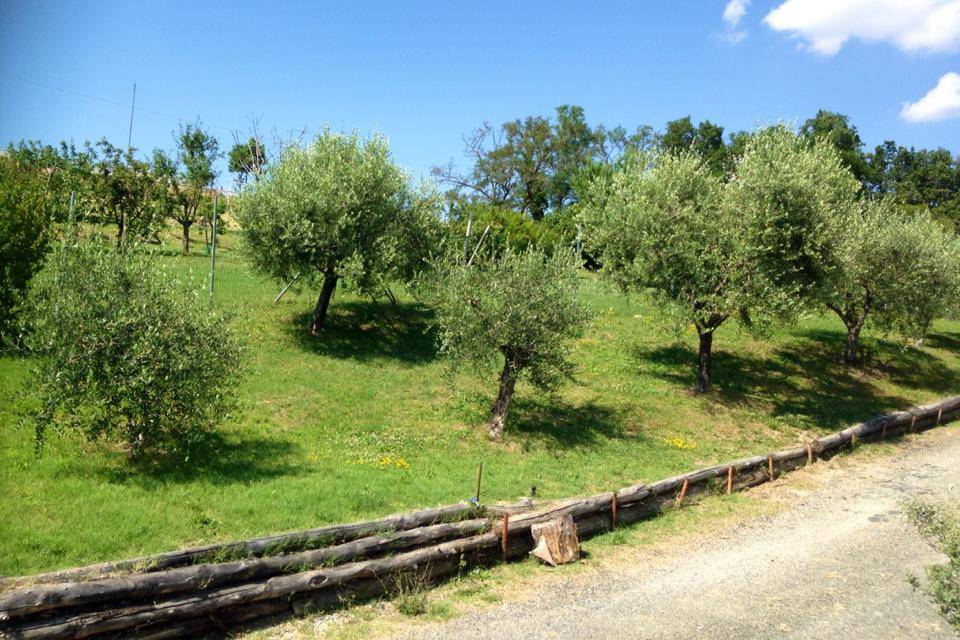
535	165
247	160
125	191
705	140
189	176
837	130
339	208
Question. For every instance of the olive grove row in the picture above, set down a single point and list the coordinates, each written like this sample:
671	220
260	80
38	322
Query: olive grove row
784	230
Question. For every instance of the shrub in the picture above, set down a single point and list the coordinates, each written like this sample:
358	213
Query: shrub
939	523
123	355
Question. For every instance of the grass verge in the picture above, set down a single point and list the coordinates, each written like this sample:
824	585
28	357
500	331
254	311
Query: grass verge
363	421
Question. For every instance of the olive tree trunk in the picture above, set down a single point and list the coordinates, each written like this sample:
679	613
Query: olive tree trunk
508	381
704	363
851	347
186	237
323	303
853	319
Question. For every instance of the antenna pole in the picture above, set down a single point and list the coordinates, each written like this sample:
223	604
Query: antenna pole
130	131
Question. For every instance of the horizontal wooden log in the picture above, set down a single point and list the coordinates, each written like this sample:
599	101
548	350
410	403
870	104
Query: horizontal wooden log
207	602
31	600
257	547
222	621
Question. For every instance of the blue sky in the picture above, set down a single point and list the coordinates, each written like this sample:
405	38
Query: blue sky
424	73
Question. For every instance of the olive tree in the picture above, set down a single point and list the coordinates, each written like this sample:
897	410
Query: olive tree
663	225
189	176
711	249
123	355
336	209
125	191
518	310
898	271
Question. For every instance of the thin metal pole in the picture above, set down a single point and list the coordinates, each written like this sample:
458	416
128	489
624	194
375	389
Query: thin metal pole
284	290
70	211
130	131
466	237
213	243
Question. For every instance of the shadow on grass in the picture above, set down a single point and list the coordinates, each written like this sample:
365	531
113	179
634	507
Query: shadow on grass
369	330
560	424
216	460
807	380
947	341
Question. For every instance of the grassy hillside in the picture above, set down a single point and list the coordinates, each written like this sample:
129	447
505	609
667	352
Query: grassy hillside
364	420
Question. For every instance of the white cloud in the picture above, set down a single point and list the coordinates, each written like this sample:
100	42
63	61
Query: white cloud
940	103
912	25
732	15
734	11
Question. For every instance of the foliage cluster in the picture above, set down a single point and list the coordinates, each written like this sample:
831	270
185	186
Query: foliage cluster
939	523
338	209
518	310
25	231
123	355
787	231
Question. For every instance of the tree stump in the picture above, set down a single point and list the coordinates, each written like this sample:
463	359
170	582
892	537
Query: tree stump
556	541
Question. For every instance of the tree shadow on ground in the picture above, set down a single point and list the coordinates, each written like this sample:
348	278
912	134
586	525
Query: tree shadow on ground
368	330
560	424
217	459
806	381
947	341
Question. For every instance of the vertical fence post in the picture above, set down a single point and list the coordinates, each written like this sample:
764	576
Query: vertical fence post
70	210
613	511
213	243
729	479
683	491
479	478
503	535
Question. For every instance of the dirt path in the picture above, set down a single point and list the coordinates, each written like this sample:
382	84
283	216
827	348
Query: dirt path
832	565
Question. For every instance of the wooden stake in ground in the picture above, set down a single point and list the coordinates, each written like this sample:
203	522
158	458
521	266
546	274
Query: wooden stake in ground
557	541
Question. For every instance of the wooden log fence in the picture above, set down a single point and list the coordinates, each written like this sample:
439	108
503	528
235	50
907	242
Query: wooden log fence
194	591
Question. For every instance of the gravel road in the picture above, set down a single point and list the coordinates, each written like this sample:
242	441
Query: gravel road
834	564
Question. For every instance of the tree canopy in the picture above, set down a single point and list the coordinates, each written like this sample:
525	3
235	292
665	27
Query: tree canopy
247	159
123	355
188	177
899	271
337	208
713	249
515	310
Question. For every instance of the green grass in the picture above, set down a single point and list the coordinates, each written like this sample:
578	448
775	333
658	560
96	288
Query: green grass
318	415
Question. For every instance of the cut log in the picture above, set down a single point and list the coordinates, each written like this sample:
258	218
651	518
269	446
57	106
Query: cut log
556	541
